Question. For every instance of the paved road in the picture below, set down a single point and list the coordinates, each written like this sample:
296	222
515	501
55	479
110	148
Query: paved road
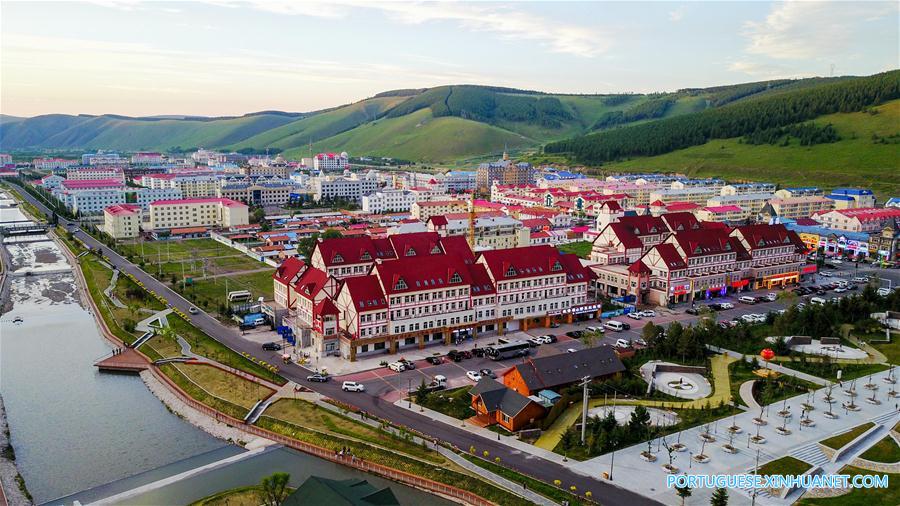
528	464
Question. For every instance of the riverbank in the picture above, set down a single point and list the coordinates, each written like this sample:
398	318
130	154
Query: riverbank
12	486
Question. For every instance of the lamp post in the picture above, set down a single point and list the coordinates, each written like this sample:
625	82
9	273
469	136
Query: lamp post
409	392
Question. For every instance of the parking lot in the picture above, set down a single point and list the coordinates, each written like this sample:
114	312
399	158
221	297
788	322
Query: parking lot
391	385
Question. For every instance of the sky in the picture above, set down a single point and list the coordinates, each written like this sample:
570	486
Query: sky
221	57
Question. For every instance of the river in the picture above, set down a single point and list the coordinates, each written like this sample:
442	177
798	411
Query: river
82	435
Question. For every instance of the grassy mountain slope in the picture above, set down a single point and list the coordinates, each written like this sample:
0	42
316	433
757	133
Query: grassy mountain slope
420	136
112	132
858	159
319	126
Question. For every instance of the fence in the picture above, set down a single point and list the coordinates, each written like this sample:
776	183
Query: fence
324	453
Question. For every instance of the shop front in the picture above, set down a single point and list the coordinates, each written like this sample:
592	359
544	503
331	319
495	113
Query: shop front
782	279
679	293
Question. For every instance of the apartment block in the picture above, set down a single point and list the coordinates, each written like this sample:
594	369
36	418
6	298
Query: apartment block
208	212
122	221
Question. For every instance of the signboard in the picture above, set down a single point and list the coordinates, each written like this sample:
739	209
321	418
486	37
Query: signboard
577	310
808	269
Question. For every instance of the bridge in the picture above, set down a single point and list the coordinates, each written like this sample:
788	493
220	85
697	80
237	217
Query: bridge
22	228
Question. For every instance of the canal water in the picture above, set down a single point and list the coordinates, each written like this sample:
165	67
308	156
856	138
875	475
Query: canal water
82	435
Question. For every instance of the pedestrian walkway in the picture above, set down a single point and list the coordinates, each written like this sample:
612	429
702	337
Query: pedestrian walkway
721	394
513	487
109	291
773	366
746	392
811	454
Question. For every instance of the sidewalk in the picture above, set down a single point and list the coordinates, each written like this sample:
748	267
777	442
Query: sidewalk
775	367
507	440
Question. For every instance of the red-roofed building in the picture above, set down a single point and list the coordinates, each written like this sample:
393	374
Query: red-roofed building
122	221
199	212
625	241
862	219
777	254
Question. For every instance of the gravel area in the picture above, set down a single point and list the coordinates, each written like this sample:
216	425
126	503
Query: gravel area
8	471
198	419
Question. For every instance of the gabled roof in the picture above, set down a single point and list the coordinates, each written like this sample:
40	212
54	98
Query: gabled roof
696	243
639	267
677	222
310	282
458	247
365	292
325	307
418	273
288	270
352	250
670	256
497	397
349	492
566	368
768	236
575	271
481	281
416	244
521	263
644	225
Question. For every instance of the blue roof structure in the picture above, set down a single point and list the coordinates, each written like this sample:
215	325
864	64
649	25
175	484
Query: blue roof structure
892	202
851	191
812	229
839	197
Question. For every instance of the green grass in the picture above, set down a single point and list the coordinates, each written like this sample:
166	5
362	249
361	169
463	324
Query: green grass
841	440
886	451
555	494
829	371
199	394
784	387
213	290
225	385
861	496
784	466
580	248
456	402
855	160
420	136
397	461
177	250
312	416
891	350
241	496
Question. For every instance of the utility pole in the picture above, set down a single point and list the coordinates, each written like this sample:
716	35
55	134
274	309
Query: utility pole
755	469
584	406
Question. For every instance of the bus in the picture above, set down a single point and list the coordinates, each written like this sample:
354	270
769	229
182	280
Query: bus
239	295
515	348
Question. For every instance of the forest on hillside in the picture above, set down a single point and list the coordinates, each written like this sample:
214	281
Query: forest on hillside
741	118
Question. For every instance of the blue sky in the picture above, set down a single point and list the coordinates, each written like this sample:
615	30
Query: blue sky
228	58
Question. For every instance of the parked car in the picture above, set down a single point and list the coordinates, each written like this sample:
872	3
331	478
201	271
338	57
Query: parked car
455	355
547	338
771	297
487	372
408	364
571	350
575	334
840	289
639	342
435	360
271	346
474	376
594	329
746	299
634	316
616	326
692	310
648	313
318	378
397	366
353	386
534	342
726	305
554	325
837	262
623	343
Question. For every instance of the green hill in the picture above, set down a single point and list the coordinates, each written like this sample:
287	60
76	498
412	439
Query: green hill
420	136
455	123
867	154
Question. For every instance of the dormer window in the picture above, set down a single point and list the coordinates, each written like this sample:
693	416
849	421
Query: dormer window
337	258
455	278
435	250
511	271
400	285
410	252
556	266
365	256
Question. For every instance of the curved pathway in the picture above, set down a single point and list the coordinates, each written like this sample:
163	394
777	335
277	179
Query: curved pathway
747	395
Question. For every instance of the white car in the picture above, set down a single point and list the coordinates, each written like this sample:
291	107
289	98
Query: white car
634	316
352	386
595	329
648	313
840	289
772	297
474	376
837	262
726	305
397	366
748	318
571	350
536	341
623	343
825	274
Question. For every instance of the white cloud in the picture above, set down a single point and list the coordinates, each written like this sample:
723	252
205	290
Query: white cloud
507	22
813	29
677	14
766	70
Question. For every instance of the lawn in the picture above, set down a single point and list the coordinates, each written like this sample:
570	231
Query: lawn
829	370
201	395
891	350
202	344
456	402
225	385
861	496
395	460
785	466
886	451
176	250
216	289
555	494
580	248
841	440
315	417
784	387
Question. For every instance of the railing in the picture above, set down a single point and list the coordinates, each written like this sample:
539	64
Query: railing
324	453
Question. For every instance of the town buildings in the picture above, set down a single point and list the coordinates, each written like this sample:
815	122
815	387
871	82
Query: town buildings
424	210
94	173
409	290
866	219
558	371
262	192
805	206
388	200
208	212
147	158
503	172
193	185
850	198
490	232
802	191
103	158
122	221
54	164
351	188
331	162
751	203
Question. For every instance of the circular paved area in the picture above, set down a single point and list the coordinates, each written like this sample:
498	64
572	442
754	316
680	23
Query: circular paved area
679	384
